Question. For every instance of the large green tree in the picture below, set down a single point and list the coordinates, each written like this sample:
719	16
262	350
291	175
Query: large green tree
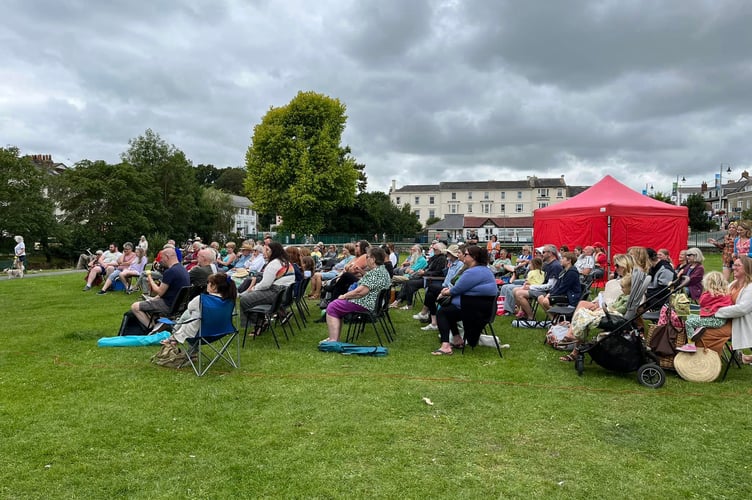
374	213
216	215
176	205
698	218
296	165
231	180
103	203
25	208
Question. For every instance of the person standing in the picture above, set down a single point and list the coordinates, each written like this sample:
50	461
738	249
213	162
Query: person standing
144	245
20	252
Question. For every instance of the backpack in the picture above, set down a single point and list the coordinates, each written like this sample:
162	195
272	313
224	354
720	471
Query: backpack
170	356
131	325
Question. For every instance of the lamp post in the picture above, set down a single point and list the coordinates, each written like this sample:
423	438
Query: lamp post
720	185
678	189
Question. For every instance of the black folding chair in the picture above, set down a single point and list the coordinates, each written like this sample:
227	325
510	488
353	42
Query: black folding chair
478	314
357	321
266	315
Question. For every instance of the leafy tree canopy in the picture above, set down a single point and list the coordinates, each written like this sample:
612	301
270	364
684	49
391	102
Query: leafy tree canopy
24	208
231	180
179	193
698	219
296	165
374	213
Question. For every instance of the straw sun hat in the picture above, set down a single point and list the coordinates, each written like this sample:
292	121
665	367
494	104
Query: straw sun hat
701	366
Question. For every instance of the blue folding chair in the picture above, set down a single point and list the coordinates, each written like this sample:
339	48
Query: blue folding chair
215	335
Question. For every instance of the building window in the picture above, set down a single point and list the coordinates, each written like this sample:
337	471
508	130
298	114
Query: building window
417	213
469	195
417	200
542	205
431	213
503	195
453	208
543	193
398	200
519	195
469	208
502	208
518	208
431	200
486	195
487	208
454	196
560	193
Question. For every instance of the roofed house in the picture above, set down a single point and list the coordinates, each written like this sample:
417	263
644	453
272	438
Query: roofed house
245	218
513	198
459	227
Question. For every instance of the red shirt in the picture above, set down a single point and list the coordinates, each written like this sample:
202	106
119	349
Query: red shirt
709	303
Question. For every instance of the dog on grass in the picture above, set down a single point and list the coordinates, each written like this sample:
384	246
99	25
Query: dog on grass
17	271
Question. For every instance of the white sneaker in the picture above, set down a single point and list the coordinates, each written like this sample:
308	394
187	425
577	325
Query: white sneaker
429	327
420	316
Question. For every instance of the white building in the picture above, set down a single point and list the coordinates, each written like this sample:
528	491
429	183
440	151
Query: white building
245	219
482	198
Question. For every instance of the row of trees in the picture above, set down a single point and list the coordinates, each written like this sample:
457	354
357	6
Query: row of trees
295	167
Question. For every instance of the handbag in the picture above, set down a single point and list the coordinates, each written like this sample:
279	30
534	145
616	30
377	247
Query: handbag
444	300
663	340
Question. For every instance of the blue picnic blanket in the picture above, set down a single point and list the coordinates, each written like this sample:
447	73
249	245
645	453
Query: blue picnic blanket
133	340
345	348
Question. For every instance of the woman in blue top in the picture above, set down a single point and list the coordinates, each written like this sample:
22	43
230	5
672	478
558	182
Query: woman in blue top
476	280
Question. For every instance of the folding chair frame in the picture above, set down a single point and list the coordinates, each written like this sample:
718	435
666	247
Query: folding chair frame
223	333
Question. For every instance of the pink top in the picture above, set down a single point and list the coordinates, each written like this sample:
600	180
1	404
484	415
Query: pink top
709	303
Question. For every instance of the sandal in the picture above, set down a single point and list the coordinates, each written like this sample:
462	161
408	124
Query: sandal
439	352
568	358
458	346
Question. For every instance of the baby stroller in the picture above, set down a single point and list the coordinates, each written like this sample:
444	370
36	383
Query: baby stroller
621	348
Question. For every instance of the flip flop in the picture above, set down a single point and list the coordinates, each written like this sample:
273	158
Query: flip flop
439	352
568	358
458	346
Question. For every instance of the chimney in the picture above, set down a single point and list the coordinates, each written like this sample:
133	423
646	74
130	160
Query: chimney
393	187
704	187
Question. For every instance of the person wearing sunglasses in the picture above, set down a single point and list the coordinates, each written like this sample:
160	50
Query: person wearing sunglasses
695	271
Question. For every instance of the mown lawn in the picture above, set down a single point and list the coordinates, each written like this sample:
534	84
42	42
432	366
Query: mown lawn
80	421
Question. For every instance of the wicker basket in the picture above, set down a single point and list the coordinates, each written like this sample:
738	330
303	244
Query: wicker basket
667	361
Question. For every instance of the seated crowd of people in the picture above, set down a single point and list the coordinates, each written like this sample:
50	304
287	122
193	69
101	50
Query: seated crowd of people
349	280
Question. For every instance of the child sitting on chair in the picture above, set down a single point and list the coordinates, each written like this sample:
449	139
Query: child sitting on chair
714	296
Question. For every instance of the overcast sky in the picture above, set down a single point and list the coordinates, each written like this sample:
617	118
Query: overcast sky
435	90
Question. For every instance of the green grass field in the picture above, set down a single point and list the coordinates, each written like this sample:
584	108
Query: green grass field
78	421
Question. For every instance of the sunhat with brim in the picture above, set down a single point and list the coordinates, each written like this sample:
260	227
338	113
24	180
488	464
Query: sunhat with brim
454	250
701	366
247	246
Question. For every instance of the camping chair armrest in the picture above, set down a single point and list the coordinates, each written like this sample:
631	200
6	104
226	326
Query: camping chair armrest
559	300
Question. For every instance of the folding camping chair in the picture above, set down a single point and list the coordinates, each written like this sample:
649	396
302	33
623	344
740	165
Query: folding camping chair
215	335
478	315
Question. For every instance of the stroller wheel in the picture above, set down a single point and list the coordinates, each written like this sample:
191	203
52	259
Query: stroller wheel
651	375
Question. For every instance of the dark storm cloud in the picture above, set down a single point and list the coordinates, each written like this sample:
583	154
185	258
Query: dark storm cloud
435	90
